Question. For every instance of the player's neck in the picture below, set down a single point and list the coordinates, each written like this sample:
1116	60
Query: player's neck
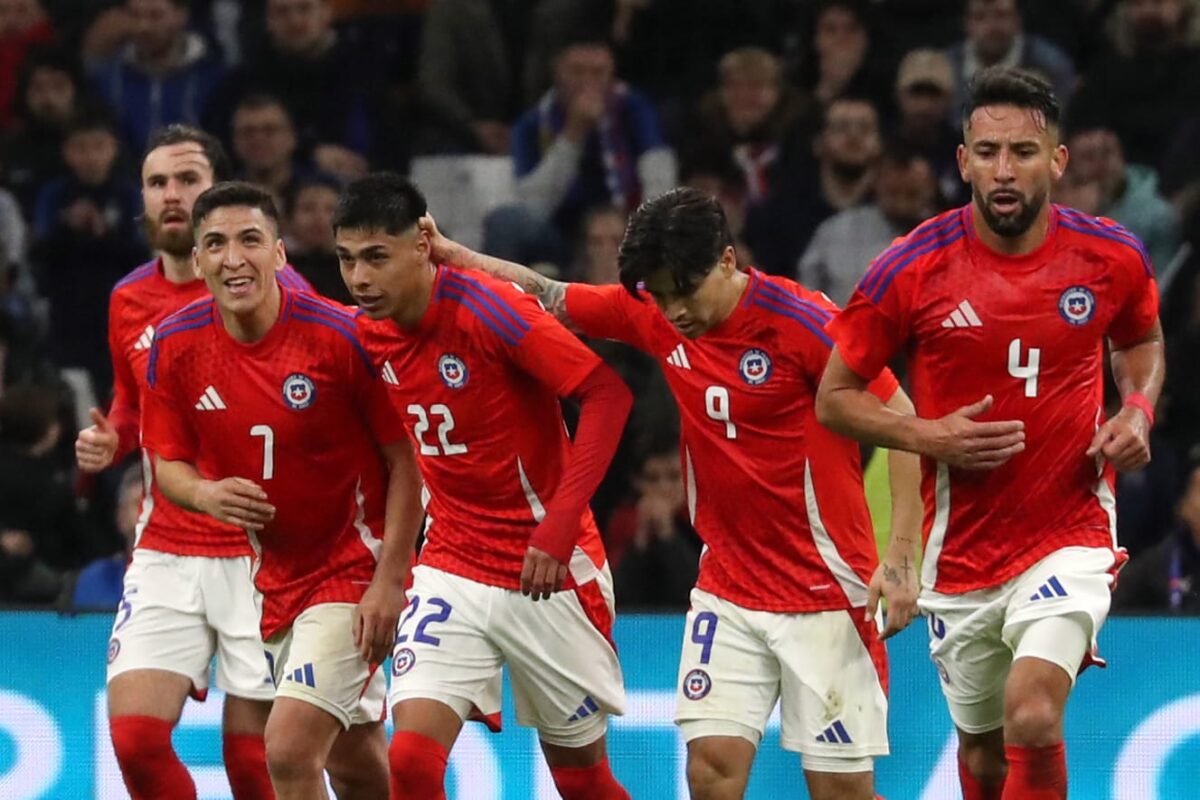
1021	245
733	295
178	269
255	324
409	315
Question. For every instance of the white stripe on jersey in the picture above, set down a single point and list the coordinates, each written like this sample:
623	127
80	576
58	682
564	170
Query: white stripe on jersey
1109	503
147	499
535	503
360	523
691	485
937	533
848	579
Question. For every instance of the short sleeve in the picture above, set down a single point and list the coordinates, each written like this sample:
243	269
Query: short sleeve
166	427
1137	303
608	312
874	325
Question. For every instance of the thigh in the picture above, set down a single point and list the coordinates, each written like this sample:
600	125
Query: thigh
834	689
565	675
316	662
234	610
443	649
972	659
160	622
301	731
728	677
359	753
148	693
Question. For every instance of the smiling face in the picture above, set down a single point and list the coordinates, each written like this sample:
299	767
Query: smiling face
388	275
238	251
1011	158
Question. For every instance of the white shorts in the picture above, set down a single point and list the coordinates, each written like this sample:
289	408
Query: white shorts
829	669
973	636
315	661
177	611
456	634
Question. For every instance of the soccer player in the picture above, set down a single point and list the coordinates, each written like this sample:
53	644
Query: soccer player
477	368
188	592
789	584
1003	307
263	412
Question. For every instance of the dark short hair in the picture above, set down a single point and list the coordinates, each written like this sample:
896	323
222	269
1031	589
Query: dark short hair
322	180
683	231
178	133
1009	86
27	412
384	202
92	121
54	59
256	101
234	194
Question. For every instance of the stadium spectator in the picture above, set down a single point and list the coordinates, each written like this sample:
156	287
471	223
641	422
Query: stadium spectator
996	36
842	61
86	235
590	140
23	26
162	73
753	119
310	245
925	102
724	180
603	229
1144	88
318	75
1166	578
49	95
13	238
1181	320
264	142
653	549
841	177
906	192
98	586
1127	193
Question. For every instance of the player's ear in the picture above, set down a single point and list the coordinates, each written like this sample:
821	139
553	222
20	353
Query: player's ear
1058	162
196	264
280	255
961	157
728	262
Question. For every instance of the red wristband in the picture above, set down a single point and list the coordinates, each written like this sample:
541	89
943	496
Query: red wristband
1142	403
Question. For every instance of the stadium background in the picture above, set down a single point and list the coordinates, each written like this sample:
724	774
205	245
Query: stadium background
825	128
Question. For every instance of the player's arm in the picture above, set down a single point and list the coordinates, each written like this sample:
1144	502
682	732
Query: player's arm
1138	370
110	438
845	406
551	293
376	615
236	501
896	577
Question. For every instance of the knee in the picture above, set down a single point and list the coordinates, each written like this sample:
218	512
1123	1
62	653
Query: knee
1032	720
709	770
290	759
417	764
983	757
140	740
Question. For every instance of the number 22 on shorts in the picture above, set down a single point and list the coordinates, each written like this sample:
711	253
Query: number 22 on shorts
439	612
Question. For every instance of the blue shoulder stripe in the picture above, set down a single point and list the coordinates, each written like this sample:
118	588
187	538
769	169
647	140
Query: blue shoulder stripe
321	319
198	310
320	304
876	294
785	297
878	268
142	272
510	337
289	277
162	333
789	311
1076	221
502	308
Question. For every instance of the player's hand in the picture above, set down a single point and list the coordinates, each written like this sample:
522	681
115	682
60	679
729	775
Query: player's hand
958	440
542	574
95	447
896	583
375	619
441	248
1124	440
235	501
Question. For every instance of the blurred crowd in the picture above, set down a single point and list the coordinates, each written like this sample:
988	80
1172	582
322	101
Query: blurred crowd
825	128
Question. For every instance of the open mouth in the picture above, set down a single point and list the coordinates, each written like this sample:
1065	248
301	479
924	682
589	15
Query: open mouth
173	218
1006	202
239	286
369	302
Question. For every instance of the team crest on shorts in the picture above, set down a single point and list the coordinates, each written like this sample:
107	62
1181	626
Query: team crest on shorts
1077	305
403	661
114	649
696	685
299	391
755	366
452	371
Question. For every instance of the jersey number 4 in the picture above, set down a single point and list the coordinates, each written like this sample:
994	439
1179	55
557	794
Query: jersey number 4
1028	371
443	447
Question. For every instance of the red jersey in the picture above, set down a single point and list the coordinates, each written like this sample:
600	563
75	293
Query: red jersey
299	413
776	498
478	381
1028	330
139	302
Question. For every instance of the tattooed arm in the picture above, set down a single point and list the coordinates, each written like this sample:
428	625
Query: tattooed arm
552	293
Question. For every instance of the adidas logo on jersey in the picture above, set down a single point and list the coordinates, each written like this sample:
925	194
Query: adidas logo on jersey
210	401
963	317
1051	588
146	339
678	358
835	734
389	374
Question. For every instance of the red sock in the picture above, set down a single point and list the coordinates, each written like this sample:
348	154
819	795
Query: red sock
418	767
148	762
973	788
246	766
1036	773
588	783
